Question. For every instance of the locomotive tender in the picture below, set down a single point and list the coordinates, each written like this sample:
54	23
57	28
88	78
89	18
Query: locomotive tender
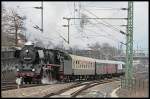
37	63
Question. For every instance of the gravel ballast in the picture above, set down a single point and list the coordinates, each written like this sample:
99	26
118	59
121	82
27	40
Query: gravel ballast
38	91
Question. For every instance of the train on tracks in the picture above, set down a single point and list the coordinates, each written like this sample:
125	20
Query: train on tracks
38	63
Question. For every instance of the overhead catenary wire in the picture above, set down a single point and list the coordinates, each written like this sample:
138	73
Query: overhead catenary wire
105	8
103	36
108	37
110	34
105	23
108	25
101	29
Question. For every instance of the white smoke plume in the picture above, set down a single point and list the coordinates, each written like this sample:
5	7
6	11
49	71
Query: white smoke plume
47	81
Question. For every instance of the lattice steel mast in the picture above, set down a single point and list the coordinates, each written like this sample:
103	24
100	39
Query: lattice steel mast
129	46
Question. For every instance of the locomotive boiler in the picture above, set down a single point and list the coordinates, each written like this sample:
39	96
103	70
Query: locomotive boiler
36	63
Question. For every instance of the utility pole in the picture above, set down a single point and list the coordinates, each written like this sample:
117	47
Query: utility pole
41	8
68	19
42	16
129	46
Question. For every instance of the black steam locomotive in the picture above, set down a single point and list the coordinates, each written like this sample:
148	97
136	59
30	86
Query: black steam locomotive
37	63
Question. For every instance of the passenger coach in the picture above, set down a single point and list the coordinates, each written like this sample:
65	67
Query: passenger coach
78	67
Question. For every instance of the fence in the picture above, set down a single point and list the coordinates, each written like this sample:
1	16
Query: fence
135	87
8	75
8	63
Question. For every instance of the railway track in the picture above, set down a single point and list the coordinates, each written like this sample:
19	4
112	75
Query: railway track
77	88
9	85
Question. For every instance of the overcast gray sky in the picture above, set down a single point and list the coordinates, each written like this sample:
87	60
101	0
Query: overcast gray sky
53	21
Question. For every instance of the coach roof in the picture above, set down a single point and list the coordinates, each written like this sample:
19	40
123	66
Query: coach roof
109	61
75	57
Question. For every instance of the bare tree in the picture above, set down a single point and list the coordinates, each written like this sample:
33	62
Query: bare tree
4	25
12	26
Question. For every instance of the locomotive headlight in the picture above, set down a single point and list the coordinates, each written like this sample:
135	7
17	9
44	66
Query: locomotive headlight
33	69
27	51
17	69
